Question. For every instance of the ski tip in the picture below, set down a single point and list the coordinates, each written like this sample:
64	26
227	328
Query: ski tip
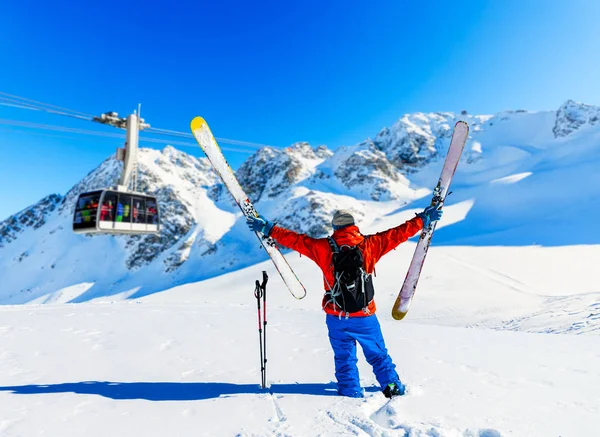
397	315
461	127
197	123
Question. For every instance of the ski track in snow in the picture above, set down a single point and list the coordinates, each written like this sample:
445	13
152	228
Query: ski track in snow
495	276
581	313
386	421
181	368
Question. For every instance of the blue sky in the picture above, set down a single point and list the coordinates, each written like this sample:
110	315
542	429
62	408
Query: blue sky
275	72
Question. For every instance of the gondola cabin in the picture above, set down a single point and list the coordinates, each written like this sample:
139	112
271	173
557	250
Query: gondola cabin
115	212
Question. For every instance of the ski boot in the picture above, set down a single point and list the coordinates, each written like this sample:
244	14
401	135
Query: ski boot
394	389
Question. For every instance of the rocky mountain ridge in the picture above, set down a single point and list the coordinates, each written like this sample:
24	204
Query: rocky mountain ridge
299	187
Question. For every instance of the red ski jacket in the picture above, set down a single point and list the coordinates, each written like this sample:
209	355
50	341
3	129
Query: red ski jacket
373	248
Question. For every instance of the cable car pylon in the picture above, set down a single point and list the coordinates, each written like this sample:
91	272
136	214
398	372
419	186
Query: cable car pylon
119	210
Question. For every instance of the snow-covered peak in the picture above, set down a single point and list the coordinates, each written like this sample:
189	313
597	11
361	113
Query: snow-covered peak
32	217
257	170
156	169
303	150
572	115
411	142
171	160
363	170
270	172
417	139
323	152
40	237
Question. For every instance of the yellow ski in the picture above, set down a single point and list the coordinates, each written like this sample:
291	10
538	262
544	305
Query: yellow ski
209	145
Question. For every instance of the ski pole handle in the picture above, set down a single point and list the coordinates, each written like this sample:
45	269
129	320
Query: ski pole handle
265	279
258	290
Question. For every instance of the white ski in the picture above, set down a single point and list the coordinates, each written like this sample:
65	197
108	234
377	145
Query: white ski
209	145
405	296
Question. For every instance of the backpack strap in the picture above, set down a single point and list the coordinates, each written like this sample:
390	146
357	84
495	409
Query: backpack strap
334	247
334	290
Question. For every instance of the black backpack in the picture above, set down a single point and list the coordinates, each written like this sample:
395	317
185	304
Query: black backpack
353	287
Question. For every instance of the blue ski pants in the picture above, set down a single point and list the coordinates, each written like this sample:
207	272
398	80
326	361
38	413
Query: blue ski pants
343	335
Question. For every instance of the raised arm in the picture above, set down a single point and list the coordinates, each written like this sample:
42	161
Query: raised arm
307	246
302	243
382	242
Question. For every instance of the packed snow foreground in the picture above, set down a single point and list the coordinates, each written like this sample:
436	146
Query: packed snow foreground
501	340
186	362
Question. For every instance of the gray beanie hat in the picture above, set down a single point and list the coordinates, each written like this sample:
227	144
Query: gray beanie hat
341	218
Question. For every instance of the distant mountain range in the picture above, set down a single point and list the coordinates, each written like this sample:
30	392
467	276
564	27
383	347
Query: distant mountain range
525	178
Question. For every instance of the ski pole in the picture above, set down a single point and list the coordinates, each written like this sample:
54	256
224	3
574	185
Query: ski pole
258	294
264	293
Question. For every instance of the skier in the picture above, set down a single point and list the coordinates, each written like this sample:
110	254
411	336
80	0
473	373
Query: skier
347	260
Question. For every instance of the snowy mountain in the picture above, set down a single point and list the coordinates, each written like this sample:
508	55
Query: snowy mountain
572	115
523	180
33	217
270	172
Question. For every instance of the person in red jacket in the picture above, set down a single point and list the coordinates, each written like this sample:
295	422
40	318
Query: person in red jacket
347	260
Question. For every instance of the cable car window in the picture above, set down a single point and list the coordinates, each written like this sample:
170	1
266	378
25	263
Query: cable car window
139	210
151	211
86	211
124	209
108	208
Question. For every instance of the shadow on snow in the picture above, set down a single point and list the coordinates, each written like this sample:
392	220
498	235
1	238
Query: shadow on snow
174	391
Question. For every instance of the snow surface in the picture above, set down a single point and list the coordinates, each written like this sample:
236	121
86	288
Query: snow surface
475	351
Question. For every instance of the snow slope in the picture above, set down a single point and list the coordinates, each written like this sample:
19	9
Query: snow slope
185	362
